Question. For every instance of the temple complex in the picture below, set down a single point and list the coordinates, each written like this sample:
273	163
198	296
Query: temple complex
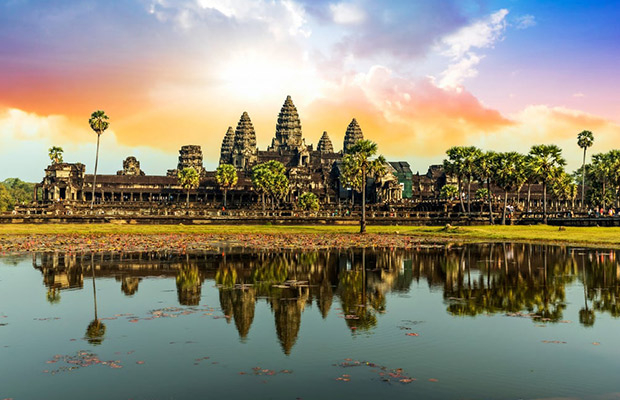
308	169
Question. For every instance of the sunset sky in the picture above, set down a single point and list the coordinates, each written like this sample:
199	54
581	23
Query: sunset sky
419	76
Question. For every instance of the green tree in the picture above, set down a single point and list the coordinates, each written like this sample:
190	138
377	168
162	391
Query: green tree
506	174
226	177
545	161
55	154
188	179
454	165
7	202
482	194
449	192
99	123
359	162
484	172
585	139
308	202
259	181
602	170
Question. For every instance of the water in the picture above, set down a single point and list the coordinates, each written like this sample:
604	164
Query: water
501	321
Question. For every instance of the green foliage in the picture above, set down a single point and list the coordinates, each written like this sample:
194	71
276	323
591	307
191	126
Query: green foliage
585	139
95	332
98	122
55	154
308	202
545	161
449	192
226	176
482	193
269	178
509	170
14	191
358	164
188	178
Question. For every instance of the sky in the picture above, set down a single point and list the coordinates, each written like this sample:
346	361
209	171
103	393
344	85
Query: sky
419	76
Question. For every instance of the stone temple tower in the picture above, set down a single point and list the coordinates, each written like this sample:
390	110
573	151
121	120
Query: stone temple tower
288	129
325	144
353	135
244	153
227	146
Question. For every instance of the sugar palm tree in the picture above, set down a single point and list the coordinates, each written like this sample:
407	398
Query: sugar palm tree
585	139
545	162
226	177
189	179
99	123
359	162
484	172
602	169
506	175
453	165
55	154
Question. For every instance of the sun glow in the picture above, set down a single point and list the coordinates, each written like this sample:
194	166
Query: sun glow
255	76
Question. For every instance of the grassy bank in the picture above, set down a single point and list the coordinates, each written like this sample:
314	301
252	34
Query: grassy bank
591	236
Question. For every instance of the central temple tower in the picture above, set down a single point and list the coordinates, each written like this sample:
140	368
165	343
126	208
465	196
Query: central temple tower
288	129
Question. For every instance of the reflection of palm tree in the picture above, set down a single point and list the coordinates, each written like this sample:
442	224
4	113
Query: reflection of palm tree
586	316
53	295
188	286
96	329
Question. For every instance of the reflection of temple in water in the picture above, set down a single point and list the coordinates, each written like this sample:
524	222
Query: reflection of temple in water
475	279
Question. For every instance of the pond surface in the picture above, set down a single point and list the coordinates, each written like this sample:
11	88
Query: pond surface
496	321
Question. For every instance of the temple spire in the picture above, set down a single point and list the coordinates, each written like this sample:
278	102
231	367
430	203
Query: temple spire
352	136
288	128
227	146
325	144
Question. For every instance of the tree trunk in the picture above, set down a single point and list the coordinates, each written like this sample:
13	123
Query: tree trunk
505	205
263	196
187	199
604	193
583	179
92	202
225	195
529	195
491	219
363	221
469	196
545	202
461	195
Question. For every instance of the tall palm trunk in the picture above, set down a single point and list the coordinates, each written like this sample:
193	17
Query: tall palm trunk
187	199
263	195
92	202
461	194
491	219
545	202
363	221
604	192
92	267
529	195
505	205
583	179
225	195
469	196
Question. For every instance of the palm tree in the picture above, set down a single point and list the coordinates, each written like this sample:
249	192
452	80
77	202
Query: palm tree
545	162
358	163
453	165
584	140
272	177
96	329
484	171
506	175
99	123
189	179
259	181
471	155
226	177
55	154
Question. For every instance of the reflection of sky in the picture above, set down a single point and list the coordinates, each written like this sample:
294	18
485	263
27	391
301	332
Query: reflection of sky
174	73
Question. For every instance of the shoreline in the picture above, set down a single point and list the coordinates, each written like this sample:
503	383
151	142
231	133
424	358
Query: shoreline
23	239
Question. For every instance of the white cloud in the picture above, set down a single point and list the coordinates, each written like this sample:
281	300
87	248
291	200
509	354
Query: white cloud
525	21
460	47
347	13
282	17
578	95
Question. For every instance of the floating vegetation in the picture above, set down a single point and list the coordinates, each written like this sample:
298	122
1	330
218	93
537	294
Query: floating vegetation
81	359
386	374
